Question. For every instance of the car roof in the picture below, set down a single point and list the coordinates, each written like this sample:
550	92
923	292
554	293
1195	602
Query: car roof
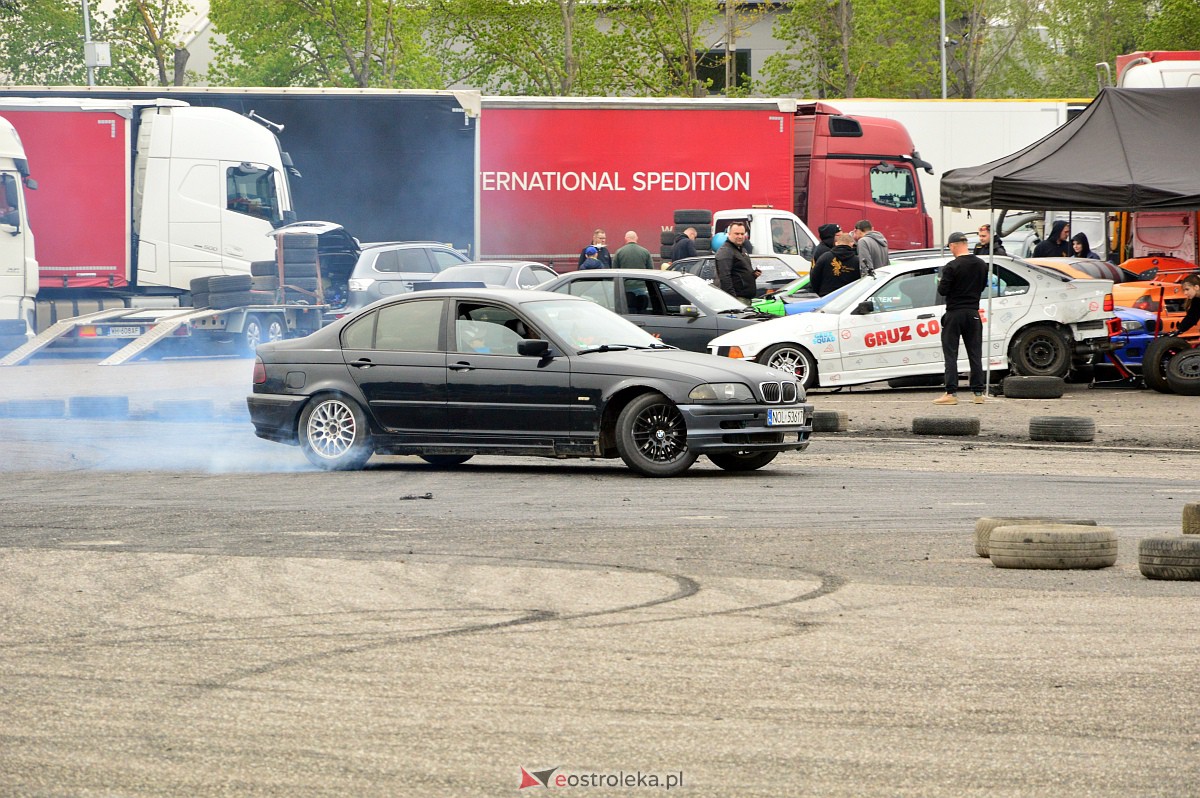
400	244
666	274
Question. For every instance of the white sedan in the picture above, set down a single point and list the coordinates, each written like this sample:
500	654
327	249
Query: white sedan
1039	322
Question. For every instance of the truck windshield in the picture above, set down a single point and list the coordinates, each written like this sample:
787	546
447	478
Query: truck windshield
251	190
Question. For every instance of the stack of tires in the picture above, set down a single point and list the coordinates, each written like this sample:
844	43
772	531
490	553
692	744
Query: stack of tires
301	281
688	217
1171	365
235	291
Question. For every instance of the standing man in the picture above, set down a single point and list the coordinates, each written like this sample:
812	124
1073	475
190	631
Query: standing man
685	245
837	267
825	232
985	240
963	280
735	274
599	238
633	255
1057	244
872	247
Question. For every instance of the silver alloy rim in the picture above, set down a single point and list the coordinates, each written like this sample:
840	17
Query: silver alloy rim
787	360
331	429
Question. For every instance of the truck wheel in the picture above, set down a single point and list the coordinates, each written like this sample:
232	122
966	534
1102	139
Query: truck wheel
652	437
794	359
1040	351
742	461
258	330
1183	373
446	460
334	434
1154	362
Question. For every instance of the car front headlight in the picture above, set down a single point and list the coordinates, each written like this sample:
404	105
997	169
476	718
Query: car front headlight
360	284
721	392
1131	325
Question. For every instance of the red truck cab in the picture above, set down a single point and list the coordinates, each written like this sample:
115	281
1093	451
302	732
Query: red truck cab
859	167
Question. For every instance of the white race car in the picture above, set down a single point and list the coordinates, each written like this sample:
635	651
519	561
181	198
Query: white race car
1039	322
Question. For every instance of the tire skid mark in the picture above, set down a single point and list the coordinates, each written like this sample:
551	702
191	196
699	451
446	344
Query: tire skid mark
685	588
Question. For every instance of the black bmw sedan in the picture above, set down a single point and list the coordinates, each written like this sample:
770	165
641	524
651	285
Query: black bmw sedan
454	373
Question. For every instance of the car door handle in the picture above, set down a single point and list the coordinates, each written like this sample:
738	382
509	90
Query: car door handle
925	316
461	365
362	363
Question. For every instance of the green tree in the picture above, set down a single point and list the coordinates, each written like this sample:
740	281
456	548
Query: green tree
37	40
1176	26
1083	33
338	43
146	35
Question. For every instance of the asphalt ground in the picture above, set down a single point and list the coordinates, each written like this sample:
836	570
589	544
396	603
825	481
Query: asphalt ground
188	610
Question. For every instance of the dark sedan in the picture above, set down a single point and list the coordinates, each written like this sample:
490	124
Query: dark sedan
455	373
677	308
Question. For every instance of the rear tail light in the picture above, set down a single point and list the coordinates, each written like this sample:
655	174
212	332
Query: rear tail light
1108	302
260	371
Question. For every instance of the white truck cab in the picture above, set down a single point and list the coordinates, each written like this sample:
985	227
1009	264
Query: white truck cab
773	232
18	267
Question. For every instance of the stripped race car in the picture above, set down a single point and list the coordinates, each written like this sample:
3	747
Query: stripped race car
1036	322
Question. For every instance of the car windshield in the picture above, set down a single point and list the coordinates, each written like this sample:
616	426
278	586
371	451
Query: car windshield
707	294
586	326
489	275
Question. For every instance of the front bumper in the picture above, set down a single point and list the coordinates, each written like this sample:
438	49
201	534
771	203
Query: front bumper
276	416
714	428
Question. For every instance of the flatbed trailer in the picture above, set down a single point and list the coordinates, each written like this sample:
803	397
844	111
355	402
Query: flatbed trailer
125	334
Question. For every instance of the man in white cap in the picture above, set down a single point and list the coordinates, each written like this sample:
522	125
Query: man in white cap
962	281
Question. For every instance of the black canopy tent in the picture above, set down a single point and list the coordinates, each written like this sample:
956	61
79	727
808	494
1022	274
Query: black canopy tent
1130	149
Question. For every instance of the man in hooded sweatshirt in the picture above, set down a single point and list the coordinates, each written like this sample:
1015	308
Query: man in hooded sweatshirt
685	245
826	233
837	267
872	247
1057	244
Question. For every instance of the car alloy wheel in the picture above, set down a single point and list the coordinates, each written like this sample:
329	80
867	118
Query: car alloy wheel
652	437
334	434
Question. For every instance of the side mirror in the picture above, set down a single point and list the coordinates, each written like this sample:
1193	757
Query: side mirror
690	310
535	347
864	308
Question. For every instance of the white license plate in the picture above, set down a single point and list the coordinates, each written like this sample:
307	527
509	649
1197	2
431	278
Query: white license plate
124	332
782	418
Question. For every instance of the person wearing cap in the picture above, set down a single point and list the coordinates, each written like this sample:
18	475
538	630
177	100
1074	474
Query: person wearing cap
590	259
826	232
962	281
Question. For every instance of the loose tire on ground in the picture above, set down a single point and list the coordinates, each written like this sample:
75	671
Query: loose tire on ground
1040	350
651	437
1053	546
36	408
1183	373
1076	429
1191	518
1155	359
1021	387
742	461
830	420
334	434
693	216
945	425
1169	558
985	525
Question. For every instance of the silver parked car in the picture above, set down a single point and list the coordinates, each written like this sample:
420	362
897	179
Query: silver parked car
393	267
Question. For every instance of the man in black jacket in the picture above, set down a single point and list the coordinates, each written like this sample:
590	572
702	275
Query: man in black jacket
826	232
685	245
962	281
837	267
735	274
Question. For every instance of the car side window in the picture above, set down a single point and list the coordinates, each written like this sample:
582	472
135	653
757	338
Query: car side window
913	290
387	261
637	297
600	291
489	329
1009	283
668	299
443	259
360	333
415	260
410	326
